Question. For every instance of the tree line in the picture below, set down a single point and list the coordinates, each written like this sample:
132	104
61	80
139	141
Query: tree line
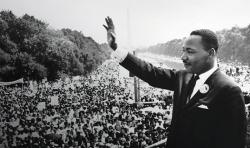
234	46
30	49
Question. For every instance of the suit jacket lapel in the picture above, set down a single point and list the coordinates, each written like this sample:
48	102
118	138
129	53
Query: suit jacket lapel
183	99
199	97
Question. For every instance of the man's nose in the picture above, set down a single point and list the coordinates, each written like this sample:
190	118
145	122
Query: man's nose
184	56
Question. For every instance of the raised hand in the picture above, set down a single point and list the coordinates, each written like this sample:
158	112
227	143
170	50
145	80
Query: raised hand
111	36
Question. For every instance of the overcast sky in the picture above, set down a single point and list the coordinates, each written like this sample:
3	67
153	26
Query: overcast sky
139	23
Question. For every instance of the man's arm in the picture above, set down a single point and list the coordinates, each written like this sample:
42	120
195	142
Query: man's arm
155	76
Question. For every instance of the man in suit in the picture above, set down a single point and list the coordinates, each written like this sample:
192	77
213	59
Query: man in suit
208	108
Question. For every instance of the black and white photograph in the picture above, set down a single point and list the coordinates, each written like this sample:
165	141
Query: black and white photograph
124	73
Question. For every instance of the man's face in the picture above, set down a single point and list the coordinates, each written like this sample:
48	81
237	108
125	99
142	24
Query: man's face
195	58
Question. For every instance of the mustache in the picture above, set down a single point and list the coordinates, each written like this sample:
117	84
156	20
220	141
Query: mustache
185	61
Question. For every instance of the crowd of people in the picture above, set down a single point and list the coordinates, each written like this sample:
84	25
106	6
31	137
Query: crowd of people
93	111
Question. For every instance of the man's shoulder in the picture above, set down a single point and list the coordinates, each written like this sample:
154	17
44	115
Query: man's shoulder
225	84
227	89
224	80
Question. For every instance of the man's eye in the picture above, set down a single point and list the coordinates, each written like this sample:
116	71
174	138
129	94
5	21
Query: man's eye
190	51
183	50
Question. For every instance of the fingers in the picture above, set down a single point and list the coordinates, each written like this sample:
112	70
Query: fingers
109	22
105	27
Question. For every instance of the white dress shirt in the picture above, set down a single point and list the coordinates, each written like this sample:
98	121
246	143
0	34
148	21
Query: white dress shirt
119	54
202	78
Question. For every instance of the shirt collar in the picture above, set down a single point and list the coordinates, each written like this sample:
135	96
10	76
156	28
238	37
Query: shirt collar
204	76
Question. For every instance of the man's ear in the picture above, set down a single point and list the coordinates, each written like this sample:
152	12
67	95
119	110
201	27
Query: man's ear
212	52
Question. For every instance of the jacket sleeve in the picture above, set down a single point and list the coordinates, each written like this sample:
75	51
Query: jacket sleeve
231	126
157	77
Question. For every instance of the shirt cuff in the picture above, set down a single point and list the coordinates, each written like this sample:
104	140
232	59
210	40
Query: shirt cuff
119	55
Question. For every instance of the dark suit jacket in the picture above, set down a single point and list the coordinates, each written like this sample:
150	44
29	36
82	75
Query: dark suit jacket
222	125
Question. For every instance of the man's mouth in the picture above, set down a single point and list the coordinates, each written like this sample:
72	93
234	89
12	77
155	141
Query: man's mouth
186	64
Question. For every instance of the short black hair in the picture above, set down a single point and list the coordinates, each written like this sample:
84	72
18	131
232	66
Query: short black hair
209	38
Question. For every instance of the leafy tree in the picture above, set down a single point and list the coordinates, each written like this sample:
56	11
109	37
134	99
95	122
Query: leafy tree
29	49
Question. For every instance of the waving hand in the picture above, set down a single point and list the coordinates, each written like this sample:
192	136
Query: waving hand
111	36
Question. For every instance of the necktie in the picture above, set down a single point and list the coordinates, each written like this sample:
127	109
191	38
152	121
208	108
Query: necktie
191	85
